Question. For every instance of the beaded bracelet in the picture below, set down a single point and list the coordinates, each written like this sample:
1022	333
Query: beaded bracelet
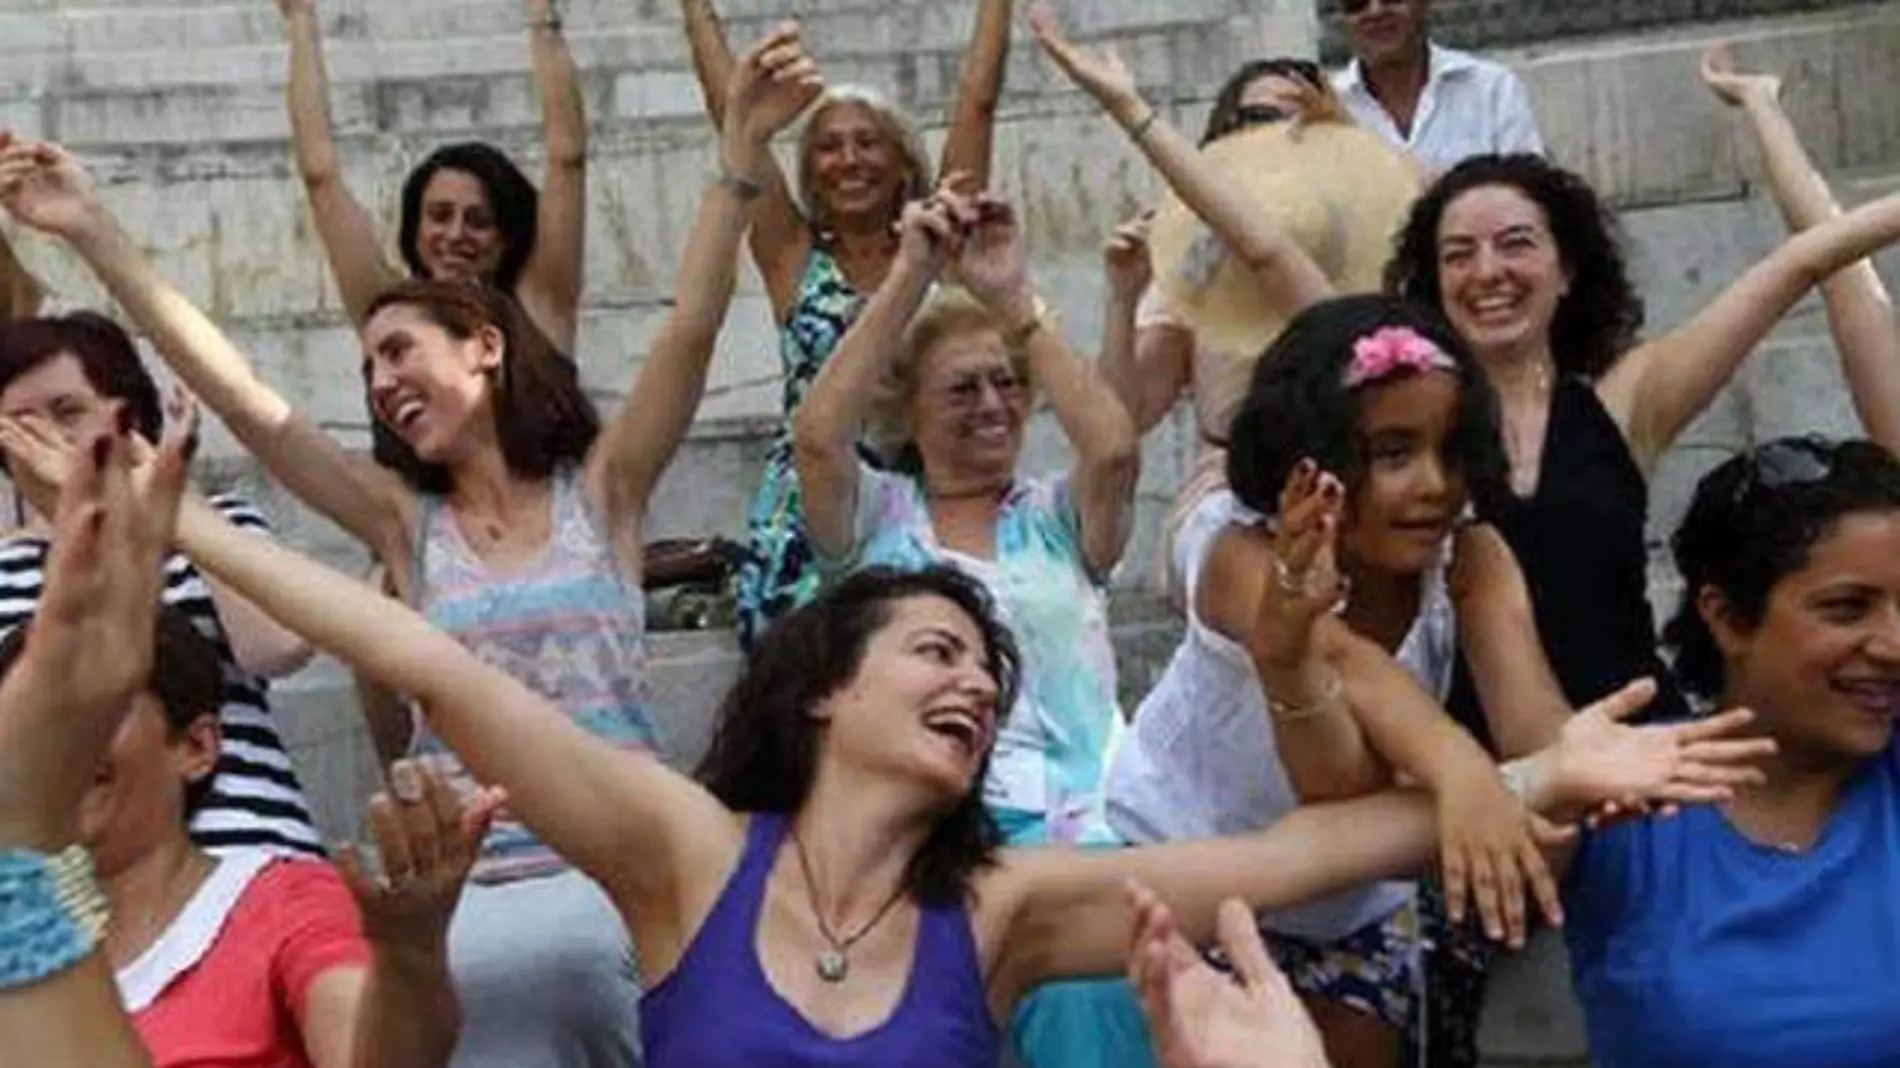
52	913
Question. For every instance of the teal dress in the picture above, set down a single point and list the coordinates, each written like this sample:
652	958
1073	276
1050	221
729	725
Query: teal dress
779	572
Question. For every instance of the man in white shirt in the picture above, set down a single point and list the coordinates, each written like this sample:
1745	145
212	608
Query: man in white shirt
1438	104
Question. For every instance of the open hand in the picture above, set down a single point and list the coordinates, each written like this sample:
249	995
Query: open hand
89	649
1735	88
1306	583
1126	256
43	186
1102	74
771	85
1599	758
1200	1018
427	839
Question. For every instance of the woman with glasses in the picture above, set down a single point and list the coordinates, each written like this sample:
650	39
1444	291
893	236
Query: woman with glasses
946	386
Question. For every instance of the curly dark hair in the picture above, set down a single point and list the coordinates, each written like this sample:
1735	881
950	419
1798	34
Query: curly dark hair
765	748
1223	117
1298	405
543	418
1599	319
1752	522
512	198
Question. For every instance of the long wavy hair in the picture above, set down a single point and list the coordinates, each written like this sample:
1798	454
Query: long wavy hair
764	755
1599	319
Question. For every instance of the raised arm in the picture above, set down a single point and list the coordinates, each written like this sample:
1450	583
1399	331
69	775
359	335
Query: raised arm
1655	390
550	289
344	225
1289	279
771	84
1344	711
967	149
59	707
623	818
44	187
780	239
1859	311
21	294
994	266
1147	351
826	427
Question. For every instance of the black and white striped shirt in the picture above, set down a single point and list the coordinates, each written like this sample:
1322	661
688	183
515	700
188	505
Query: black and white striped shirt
255	800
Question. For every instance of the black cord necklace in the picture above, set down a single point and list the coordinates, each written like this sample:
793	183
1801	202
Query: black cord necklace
834	964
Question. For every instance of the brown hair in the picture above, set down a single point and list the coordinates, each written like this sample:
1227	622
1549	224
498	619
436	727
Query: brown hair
104	351
543	418
951	312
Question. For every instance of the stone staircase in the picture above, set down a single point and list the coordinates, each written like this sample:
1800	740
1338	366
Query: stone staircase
179	107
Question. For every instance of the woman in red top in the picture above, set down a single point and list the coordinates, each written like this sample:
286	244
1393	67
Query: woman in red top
251	960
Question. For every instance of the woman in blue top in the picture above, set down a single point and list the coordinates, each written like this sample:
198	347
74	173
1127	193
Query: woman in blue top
1765	932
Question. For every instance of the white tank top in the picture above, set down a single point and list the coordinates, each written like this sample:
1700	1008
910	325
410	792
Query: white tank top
1200	760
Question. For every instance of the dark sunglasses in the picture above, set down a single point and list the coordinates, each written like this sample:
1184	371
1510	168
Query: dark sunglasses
1356	7
1247	115
1779	464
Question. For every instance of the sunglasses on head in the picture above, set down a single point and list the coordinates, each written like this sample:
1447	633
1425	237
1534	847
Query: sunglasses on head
1780	464
1247	115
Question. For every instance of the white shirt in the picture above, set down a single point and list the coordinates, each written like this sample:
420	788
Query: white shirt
1200	759
1470	107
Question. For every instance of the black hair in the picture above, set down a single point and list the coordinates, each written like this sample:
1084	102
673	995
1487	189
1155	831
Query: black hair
187	678
512	199
1745	531
1223	117
106	356
764	754
1599	318
1297	405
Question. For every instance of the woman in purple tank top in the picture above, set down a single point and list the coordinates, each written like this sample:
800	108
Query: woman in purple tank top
832	891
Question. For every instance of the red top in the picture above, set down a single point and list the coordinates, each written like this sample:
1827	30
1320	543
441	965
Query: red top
242	1004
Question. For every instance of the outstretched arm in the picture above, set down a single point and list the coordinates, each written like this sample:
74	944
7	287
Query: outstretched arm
343	223
780	239
772	83
1289	279
1068	911
1655	390
59	707
623	818
1859	311
44	187
967	150
550	289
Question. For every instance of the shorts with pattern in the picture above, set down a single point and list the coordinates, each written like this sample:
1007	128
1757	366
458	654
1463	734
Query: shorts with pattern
1374	970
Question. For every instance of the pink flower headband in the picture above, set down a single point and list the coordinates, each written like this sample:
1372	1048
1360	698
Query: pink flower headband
1391	350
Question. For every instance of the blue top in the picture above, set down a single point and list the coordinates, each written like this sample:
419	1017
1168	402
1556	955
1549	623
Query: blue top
718	1010
1691	944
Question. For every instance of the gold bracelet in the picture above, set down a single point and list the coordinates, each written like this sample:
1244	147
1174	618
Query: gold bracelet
1326	702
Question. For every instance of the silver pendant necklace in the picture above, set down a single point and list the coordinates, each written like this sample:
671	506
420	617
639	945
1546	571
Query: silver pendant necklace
834	964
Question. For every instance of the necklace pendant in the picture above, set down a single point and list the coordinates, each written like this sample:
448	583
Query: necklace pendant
833	966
